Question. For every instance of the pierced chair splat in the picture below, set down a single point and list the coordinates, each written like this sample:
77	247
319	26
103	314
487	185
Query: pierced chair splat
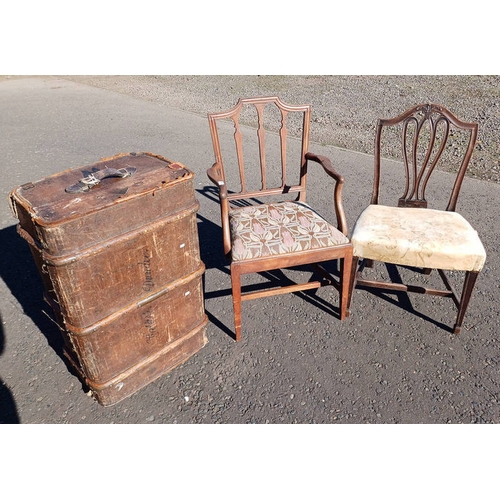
266	222
411	235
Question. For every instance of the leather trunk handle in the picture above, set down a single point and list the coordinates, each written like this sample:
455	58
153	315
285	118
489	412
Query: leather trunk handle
95	178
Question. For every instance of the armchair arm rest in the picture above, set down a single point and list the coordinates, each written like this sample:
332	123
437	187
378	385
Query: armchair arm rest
327	166
339	184
214	173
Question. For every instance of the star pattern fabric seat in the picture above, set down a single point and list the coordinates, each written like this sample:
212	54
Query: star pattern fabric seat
262	231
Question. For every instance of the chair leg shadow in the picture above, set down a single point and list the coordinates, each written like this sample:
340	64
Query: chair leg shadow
402	299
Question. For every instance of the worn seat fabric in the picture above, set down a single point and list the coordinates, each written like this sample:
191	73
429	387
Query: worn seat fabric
420	237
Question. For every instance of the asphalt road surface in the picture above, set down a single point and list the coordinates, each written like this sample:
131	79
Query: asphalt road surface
393	361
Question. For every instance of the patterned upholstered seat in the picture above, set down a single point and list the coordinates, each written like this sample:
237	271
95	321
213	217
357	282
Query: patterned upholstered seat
278	229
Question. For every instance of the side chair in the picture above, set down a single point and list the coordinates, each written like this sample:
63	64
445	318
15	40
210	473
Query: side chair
408	234
266	223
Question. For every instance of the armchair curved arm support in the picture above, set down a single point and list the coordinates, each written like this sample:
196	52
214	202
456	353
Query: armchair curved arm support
327	165
214	173
339	184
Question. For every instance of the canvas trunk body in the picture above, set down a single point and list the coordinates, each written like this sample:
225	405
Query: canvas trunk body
116	245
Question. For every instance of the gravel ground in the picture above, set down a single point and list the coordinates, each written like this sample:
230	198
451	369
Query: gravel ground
345	108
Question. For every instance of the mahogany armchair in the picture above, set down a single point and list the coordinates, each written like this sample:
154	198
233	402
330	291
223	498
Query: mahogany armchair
263	227
410	235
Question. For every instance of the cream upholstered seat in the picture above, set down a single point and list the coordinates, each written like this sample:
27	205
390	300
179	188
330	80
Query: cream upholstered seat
266	223
410	234
421	237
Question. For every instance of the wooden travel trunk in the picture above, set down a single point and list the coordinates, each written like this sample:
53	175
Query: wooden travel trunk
116	245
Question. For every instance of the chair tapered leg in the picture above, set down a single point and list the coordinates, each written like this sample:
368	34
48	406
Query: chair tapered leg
470	281
352	279
345	286
236	290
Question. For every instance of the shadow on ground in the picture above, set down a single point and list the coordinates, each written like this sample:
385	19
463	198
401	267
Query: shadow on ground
8	408
19	273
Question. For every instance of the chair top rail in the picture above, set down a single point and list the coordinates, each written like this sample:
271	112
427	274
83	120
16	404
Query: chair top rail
260	103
